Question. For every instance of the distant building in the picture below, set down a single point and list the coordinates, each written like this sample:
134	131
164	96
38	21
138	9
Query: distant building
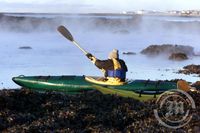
172	12
124	12
140	12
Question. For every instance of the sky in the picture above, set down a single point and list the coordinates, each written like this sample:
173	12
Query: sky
93	6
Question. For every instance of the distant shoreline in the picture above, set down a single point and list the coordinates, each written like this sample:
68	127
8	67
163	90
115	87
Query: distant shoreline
101	14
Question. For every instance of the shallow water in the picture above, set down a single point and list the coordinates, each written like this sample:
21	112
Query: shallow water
52	54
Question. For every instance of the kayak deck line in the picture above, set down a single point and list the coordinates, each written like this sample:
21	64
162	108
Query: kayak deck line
48	83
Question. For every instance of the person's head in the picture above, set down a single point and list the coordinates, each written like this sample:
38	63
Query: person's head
113	54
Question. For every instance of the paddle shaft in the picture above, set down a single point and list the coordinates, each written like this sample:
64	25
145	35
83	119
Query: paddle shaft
66	33
75	43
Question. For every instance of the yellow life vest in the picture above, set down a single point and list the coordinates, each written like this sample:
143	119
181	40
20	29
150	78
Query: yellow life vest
112	74
116	63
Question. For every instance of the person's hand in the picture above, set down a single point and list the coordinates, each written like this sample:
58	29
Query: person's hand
89	55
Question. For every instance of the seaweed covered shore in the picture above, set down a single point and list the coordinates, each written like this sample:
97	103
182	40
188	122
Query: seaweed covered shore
22	110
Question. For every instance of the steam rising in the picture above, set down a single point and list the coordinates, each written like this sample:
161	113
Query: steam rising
52	54
143	30
111	23
134	30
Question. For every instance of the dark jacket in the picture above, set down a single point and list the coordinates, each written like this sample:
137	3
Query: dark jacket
109	65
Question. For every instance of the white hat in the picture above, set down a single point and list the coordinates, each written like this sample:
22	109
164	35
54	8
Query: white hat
113	54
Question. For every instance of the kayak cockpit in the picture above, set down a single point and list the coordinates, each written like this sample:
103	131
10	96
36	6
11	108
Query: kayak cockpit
104	81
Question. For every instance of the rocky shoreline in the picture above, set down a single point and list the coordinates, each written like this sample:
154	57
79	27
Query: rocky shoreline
173	52
191	69
22	110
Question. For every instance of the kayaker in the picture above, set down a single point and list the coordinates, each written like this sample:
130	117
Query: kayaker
113	68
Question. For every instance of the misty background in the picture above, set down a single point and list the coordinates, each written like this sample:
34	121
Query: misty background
31	45
94	6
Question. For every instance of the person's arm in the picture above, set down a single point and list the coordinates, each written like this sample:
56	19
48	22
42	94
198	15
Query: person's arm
124	65
104	64
91	57
101	64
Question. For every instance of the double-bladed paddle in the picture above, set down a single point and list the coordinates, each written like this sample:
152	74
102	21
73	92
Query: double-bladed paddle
65	32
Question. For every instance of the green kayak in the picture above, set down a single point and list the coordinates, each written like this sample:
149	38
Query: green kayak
77	84
138	89
68	84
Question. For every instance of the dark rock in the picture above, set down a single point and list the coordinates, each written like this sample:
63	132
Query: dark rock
122	32
27	111
167	49
178	56
196	85
197	129
25	47
190	69
129	53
